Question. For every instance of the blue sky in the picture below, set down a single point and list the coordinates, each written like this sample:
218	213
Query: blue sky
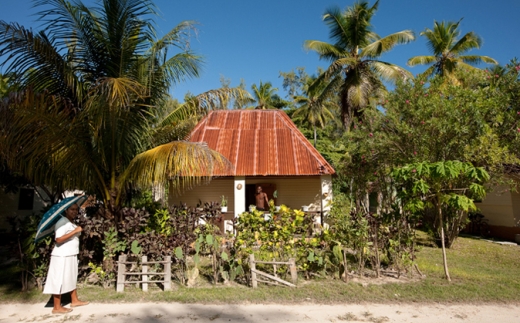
255	40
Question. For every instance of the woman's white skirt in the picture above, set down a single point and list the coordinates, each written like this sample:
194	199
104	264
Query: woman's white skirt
62	276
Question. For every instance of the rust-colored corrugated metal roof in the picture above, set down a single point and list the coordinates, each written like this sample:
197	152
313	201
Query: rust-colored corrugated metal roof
260	143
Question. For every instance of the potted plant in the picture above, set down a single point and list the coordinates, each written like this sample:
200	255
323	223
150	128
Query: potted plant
223	204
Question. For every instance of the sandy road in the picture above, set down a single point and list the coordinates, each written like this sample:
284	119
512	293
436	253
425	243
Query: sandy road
249	313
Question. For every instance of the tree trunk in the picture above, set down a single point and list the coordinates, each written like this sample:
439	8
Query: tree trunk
376	249
314	136
441	224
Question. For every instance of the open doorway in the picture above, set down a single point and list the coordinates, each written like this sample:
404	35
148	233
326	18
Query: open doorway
267	188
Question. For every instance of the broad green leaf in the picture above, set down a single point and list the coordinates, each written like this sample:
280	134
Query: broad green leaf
310	257
440	170
477	190
135	247
483	174
178	253
224	256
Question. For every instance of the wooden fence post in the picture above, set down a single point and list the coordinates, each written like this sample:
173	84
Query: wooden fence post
168	273
121	269
144	266
253	270
294	272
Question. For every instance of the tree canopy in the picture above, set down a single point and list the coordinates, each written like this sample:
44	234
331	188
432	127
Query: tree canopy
355	71
93	86
448	49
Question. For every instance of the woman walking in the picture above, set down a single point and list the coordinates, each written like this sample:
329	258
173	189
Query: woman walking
63	269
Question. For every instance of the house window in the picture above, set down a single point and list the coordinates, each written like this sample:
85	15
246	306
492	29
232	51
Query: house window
26	199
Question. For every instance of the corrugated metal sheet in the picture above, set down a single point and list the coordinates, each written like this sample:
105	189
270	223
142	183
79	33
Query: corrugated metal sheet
260	143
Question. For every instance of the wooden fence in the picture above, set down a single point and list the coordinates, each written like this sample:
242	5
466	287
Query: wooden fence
144	274
273	279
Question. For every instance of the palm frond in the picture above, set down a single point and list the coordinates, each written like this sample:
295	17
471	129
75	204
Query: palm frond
117	92
183	66
169	163
468	42
477	59
216	99
383	45
174	131
391	72
442	37
325	50
47	144
430	71
358	27
35	60
339	66
179	67
421	60
179	36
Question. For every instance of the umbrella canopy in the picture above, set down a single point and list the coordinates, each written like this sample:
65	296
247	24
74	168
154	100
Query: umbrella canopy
46	226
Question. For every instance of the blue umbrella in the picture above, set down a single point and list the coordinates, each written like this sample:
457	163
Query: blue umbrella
46	226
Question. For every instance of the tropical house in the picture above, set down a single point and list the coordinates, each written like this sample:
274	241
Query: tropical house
265	149
501	209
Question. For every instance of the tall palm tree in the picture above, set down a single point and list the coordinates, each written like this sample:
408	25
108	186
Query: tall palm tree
315	106
354	71
93	84
266	97
448	49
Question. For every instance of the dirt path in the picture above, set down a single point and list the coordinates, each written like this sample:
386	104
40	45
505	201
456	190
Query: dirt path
197	313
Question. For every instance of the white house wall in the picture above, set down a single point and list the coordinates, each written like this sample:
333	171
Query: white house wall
239	197
498	205
326	190
206	193
293	192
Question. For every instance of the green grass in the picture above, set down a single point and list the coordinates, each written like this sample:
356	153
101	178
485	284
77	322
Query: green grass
481	272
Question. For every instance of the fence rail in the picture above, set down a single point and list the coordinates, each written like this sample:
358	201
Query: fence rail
274	280
144	273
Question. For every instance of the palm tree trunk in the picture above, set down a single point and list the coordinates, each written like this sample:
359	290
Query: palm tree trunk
314	136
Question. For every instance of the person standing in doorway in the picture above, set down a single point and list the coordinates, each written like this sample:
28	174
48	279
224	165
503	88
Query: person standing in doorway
262	203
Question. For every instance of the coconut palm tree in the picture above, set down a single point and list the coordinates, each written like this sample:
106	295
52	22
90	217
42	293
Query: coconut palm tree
315	106
448	49
91	106
355	71
266	97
